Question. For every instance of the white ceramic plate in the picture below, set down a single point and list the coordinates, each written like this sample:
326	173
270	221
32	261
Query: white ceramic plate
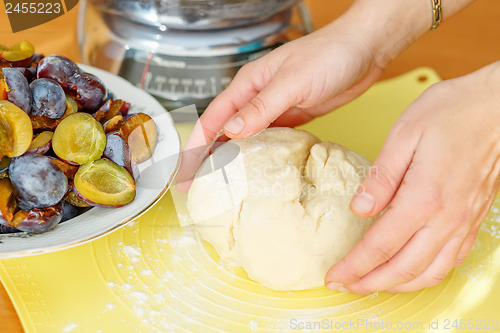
156	175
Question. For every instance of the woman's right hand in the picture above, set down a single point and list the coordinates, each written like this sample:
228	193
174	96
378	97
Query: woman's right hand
289	86
296	82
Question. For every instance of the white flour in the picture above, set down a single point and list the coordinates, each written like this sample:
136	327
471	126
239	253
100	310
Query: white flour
70	327
133	253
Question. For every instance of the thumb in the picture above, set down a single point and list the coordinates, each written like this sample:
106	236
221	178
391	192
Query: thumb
385	175
279	95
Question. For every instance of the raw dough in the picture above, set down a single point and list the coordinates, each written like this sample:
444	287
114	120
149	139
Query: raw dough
277	204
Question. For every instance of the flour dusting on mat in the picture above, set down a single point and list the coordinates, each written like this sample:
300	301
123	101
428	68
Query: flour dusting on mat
481	251
493	230
133	253
175	282
185	240
179	289
70	327
152	302
110	306
254	324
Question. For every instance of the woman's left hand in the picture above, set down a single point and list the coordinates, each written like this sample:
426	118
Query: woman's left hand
438	173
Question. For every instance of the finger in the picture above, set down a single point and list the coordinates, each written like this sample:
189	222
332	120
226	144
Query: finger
382	240
406	265
192	158
385	176
466	247
193	153
296	116
293	117
471	238
436	271
242	89
280	94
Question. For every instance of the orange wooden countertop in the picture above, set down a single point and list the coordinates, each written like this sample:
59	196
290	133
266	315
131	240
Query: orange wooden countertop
466	42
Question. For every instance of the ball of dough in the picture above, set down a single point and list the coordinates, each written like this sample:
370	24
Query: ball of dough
277	204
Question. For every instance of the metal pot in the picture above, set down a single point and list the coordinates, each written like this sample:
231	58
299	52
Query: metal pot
194	14
178	66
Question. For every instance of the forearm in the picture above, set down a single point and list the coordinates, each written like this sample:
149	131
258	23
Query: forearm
491	83
393	25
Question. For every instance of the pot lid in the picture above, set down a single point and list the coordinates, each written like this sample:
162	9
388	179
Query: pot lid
194	14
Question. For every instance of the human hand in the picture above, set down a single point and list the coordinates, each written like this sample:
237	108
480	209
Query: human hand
439	173
295	83
289	86
310	76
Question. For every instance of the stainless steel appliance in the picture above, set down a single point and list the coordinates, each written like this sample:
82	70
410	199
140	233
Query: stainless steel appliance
183	51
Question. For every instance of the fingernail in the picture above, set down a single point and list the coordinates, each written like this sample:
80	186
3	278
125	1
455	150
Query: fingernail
363	203
235	125
333	285
344	290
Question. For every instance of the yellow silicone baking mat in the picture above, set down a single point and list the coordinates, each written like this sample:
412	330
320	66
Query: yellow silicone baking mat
155	276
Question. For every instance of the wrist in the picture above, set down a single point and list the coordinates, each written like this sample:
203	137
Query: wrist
393	25
493	82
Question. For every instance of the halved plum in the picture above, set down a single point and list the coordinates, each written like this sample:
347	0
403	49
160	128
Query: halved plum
104	183
18	90
70	211
79	139
4	163
4	90
69	170
6	137
3	64
141	135
87	90
41	123
19	55
118	151
5	228
37	181
15	121
109	110
41	143
29	74
49	124
113	124
60	69
35	60
49	99
74	200
38	220
8	205
90	92
71	106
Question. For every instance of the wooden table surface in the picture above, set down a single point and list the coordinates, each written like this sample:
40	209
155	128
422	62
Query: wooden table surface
466	42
